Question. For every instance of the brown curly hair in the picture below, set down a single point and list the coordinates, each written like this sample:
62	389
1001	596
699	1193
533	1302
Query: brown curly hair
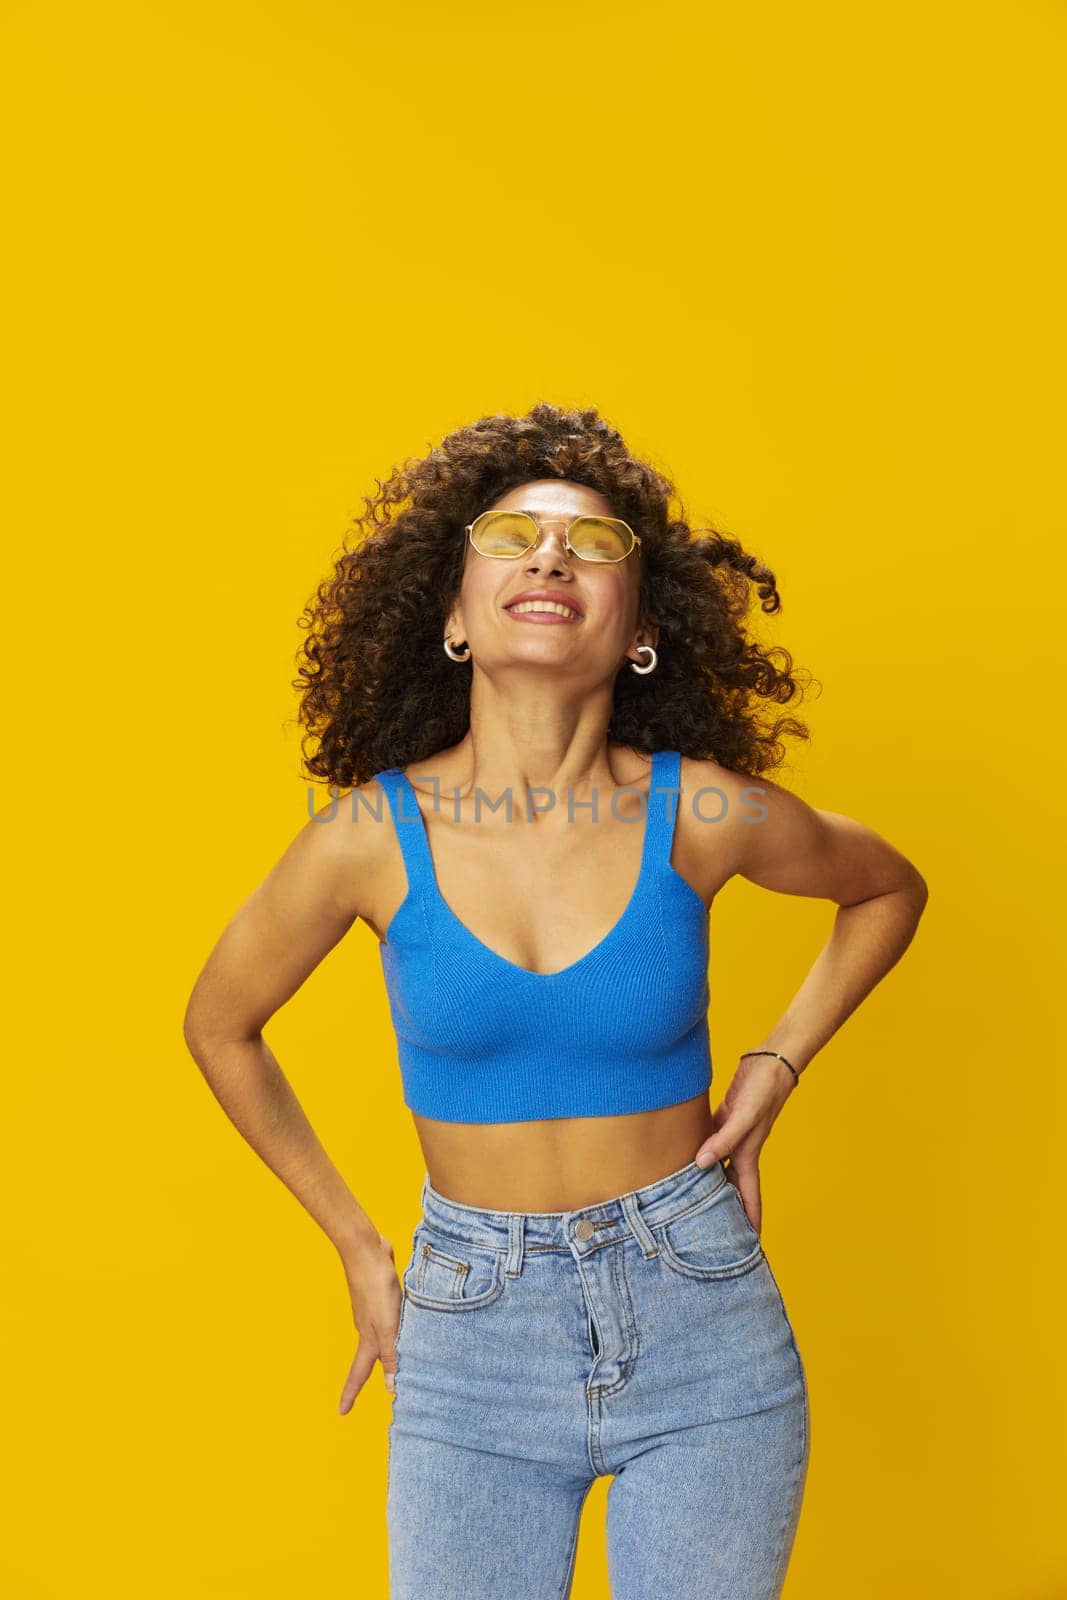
377	688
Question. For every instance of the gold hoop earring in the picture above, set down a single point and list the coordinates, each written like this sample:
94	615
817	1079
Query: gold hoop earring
450	653
651	665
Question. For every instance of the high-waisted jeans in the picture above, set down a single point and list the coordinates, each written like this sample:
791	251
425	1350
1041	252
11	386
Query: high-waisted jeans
644	1339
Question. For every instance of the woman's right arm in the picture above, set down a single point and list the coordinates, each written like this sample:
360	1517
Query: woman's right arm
304	906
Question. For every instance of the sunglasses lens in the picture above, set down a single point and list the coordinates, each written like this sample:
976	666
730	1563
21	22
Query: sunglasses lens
503	533
601	538
511	533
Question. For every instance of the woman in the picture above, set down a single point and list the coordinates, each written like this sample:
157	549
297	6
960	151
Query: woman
537	687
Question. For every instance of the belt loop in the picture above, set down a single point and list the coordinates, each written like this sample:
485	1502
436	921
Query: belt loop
516	1236
638	1225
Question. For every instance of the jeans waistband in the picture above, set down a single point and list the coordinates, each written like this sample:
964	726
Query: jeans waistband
653	1204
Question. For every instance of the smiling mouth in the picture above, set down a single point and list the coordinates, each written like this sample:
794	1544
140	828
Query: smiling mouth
543	609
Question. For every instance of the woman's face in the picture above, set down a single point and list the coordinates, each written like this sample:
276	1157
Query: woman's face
604	596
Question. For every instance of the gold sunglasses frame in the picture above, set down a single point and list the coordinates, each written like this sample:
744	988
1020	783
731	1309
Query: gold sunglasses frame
611	561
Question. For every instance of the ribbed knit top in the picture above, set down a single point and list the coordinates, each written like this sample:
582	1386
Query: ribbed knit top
623	1029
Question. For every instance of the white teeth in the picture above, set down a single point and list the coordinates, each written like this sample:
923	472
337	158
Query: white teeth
543	605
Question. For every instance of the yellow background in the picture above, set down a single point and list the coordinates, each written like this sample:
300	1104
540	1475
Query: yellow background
809	258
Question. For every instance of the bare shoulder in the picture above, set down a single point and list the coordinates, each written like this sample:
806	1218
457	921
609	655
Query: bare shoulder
748	824
717	809
349	840
777	839
712	785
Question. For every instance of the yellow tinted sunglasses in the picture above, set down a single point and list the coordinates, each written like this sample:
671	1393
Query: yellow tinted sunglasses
505	535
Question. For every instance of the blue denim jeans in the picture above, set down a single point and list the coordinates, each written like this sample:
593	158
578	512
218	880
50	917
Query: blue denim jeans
643	1339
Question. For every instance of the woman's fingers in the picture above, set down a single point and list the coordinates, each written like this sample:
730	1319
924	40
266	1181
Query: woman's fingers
746	1113
362	1365
725	1140
358	1373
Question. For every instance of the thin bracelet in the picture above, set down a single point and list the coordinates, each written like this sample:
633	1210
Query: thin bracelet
789	1064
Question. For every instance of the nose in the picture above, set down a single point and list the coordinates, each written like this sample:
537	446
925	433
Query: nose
550	550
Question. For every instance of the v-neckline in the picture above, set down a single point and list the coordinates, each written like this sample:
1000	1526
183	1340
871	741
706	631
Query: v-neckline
494	955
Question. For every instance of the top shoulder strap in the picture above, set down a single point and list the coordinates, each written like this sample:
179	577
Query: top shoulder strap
410	827
664	799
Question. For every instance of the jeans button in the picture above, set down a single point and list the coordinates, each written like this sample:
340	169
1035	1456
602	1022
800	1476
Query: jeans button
583	1229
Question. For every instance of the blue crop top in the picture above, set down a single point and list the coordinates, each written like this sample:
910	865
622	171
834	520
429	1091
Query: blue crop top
623	1029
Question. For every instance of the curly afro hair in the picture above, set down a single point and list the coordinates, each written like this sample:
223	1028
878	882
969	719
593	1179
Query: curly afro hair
377	689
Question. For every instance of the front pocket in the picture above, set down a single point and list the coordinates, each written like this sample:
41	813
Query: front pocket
449	1274
712	1240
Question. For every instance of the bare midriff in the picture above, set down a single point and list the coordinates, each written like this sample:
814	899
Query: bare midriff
562	1164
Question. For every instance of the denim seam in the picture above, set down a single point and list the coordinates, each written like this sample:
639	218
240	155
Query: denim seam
430	1252
563	1249
428	1303
676	1216
400	1325
592	1432
396	1350
414	1279
736	1269
633	1338
467	1243
805	1444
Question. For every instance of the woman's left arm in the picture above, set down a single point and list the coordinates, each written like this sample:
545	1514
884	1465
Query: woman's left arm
794	848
